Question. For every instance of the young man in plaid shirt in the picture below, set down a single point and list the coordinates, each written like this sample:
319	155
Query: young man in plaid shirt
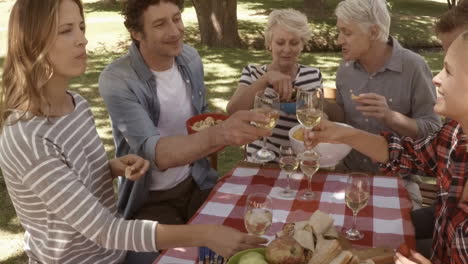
443	155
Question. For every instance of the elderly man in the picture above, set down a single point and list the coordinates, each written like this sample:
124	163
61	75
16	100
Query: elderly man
380	85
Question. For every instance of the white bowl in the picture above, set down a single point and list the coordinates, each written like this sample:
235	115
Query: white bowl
330	154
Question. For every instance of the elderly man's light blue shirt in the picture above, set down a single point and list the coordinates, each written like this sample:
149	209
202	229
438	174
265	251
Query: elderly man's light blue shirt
129	90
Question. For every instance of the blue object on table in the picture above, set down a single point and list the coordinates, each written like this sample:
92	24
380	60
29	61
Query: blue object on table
201	255
288	108
208	256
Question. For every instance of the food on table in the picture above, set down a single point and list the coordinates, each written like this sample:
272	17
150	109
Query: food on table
320	222
206	123
320	244
343	258
252	258
284	250
299	134
325	251
354	97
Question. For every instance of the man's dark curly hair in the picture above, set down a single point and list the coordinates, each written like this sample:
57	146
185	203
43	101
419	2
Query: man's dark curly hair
133	12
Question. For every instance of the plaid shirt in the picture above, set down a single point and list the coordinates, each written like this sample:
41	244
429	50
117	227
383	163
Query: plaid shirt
444	156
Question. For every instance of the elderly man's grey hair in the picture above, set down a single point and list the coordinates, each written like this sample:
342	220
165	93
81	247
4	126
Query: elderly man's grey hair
366	13
291	20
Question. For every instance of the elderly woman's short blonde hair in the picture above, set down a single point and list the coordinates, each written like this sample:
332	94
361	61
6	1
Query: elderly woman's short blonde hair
366	13
289	19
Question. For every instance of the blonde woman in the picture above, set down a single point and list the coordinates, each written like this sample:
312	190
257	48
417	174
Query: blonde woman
442	155
53	162
286	33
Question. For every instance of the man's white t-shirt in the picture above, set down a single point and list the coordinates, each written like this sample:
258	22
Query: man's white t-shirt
175	108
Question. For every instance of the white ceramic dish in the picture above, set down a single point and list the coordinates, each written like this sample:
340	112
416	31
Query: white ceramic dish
330	154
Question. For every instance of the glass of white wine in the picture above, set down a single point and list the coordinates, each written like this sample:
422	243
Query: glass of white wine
357	195
309	106
266	102
289	163
310	163
258	213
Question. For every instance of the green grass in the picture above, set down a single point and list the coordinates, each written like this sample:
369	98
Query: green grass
222	70
107	36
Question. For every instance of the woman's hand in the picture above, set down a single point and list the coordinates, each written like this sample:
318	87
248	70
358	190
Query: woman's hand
216	240
414	258
326	131
131	166
281	83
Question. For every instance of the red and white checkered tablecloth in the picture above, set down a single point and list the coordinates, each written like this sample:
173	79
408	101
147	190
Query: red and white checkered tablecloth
385	221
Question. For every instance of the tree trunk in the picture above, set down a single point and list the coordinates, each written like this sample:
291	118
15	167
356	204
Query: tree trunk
452	3
217	21
316	6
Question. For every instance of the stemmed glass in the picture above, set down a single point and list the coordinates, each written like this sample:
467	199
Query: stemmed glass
289	163
357	195
310	164
309	106
258	213
266	102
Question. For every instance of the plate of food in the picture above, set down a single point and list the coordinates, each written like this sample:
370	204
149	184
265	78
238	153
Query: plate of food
199	122
317	241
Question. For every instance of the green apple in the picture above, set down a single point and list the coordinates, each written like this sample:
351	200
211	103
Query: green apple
252	258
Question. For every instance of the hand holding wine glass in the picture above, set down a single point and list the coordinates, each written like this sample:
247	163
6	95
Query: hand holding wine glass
266	102
357	195
309	106
289	163
258	213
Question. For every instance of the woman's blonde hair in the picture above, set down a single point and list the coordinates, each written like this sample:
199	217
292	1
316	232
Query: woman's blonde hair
291	20
32	30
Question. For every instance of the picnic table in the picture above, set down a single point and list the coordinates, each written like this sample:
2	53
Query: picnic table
385	221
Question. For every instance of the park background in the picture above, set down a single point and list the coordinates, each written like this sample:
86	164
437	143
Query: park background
238	41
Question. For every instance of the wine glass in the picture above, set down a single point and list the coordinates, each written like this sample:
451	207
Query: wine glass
289	163
309	106
258	213
309	161
266	102
357	195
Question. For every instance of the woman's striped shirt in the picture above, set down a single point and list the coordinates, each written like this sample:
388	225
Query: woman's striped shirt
306	77
58	178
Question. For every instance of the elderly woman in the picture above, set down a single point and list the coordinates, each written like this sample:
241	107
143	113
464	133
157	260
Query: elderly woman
286	33
381	86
